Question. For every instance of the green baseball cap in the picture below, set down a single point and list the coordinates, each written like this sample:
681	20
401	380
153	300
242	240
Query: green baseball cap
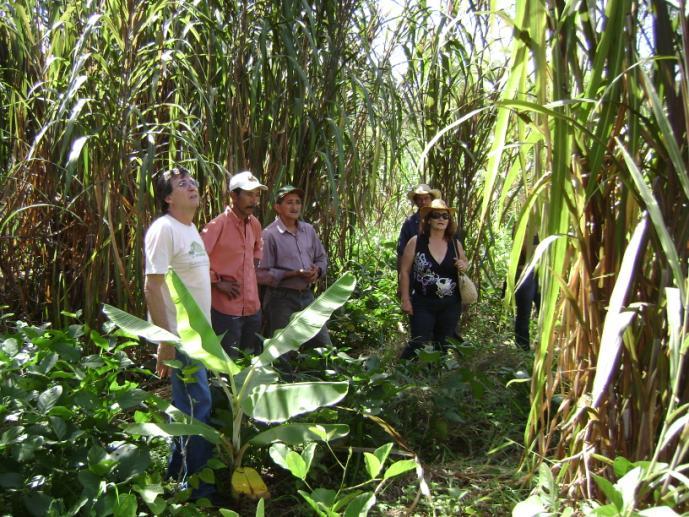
288	189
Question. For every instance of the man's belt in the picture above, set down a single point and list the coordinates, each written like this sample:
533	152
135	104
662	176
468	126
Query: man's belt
291	290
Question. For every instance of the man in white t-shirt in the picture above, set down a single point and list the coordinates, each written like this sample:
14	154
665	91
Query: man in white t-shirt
173	241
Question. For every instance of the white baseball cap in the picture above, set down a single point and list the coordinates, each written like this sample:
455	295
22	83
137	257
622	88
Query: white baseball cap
246	181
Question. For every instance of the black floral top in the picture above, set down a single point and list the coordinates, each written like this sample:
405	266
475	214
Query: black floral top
430	278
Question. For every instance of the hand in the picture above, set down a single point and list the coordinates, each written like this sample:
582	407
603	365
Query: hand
165	353
312	274
229	286
406	306
461	264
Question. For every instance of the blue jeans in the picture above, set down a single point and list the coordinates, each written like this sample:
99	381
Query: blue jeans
434	320
191	453
525	296
240	332
278	306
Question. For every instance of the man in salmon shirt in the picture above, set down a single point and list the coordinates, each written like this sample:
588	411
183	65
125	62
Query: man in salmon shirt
234	245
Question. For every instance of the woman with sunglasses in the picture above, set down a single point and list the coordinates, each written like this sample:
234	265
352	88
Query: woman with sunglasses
433	260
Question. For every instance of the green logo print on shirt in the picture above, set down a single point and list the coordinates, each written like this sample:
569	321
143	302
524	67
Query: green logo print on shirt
196	250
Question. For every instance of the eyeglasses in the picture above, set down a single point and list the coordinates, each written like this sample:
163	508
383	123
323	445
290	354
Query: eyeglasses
187	182
439	215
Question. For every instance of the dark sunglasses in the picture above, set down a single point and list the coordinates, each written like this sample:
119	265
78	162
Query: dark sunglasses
439	215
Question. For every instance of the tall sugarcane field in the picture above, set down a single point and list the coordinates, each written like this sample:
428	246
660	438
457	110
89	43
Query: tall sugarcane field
344	258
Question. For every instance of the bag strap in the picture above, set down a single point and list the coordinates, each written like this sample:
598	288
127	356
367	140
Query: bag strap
459	275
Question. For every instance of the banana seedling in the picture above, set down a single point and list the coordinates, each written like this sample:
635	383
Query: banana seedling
254	391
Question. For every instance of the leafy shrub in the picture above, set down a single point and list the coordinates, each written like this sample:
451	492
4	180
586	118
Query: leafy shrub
371	317
62	451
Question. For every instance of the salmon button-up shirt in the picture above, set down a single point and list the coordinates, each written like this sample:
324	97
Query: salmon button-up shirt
233	246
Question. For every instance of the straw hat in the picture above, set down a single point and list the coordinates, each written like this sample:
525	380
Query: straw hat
436	205
422	189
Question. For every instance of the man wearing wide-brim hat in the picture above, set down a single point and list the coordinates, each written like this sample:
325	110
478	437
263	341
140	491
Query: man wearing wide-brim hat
421	196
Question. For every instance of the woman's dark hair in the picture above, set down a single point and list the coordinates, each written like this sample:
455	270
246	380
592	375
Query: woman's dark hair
164	185
450	229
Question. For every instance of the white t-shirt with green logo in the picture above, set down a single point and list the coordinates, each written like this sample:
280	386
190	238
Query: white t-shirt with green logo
169	242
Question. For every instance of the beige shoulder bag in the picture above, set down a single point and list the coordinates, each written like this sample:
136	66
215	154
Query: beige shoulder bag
467	289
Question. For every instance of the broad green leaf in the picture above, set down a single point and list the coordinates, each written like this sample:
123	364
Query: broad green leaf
125	506
230	513
48	399
318	508
137	326
59	426
278	402
99	461
249	378
131	461
308	454
37	503
13	435
373	465
26	450
621	466
298	433
157	506
278	452
10	346
307	323
47	363
296	465
175	429
399	467
198	340
608	510
261	507
611	492
531	507
149	493
207	476
322	501
324	496
90	482
383	452
627	488
360	505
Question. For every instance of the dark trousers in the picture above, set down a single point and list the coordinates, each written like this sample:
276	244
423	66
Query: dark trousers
241	332
525	296
434	320
279	304
191	453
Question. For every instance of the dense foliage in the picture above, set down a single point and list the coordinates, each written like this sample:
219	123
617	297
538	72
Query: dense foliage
62	445
578	134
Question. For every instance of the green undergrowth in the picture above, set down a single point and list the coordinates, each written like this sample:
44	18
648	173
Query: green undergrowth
458	413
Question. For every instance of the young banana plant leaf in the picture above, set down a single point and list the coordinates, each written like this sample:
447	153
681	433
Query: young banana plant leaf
255	388
305	324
